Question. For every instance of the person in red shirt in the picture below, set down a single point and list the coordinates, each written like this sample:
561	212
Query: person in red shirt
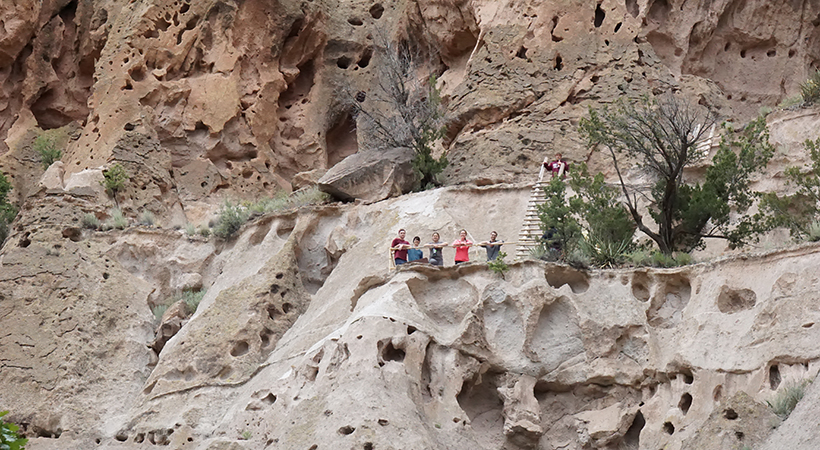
558	167
462	246
400	246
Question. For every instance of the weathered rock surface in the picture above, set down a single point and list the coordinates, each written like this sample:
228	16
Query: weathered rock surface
305	339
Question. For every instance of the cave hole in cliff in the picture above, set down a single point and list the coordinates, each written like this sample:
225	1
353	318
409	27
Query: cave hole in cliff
240	348
667	305
771	53
346	430
558	276
559	62
632	7
730	414
376	11
265	335
341	139
521	53
24	241
364	61
792	53
669	428
743	53
389	352
344	62
732	301
300	87
617	27
774	377
685	402
46	113
367	446
161	24
632	437
658	11
599	16
355	21
482	404
137	73
553	24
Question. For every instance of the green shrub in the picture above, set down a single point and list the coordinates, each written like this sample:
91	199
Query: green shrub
810	89
190	229
115	179
7	211
230	219
204	231
9	438
192	299
498	265
786	398
791	101
116	220
91	221
813	234
147	218
159	311
308	196
46	146
539	252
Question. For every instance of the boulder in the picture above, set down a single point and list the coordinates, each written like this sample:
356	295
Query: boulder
370	176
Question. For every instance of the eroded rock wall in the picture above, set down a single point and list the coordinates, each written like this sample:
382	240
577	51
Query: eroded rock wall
305	337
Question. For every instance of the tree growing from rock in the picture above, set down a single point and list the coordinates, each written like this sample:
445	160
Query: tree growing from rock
404	108
660	136
799	212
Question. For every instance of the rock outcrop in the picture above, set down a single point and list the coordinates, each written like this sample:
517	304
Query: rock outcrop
306	338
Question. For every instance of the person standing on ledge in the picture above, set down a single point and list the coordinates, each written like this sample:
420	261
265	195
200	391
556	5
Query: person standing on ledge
462	246
400	246
436	257
558	167
415	253
493	246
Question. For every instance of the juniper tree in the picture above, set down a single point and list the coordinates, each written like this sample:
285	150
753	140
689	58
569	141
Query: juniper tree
660	136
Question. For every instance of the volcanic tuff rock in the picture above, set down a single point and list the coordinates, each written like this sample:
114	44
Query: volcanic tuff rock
305	339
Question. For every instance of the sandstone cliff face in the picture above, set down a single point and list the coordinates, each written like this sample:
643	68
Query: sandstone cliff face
305	339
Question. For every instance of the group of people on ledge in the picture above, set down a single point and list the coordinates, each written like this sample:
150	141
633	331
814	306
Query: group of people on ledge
403	252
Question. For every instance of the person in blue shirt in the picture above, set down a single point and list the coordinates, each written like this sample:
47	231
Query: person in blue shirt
415	253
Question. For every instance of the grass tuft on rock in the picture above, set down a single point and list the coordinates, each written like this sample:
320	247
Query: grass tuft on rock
786	398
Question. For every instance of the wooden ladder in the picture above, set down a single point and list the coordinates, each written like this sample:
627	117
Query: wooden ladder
531	228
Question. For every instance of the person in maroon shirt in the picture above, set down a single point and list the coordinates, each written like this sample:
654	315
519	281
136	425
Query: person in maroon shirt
558	167
400	246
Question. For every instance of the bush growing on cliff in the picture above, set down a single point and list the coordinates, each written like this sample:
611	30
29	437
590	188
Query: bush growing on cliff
115	179
798	212
7	211
592	226
810	89
46	146
660	137
786	398
404	109
230	219
9	439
